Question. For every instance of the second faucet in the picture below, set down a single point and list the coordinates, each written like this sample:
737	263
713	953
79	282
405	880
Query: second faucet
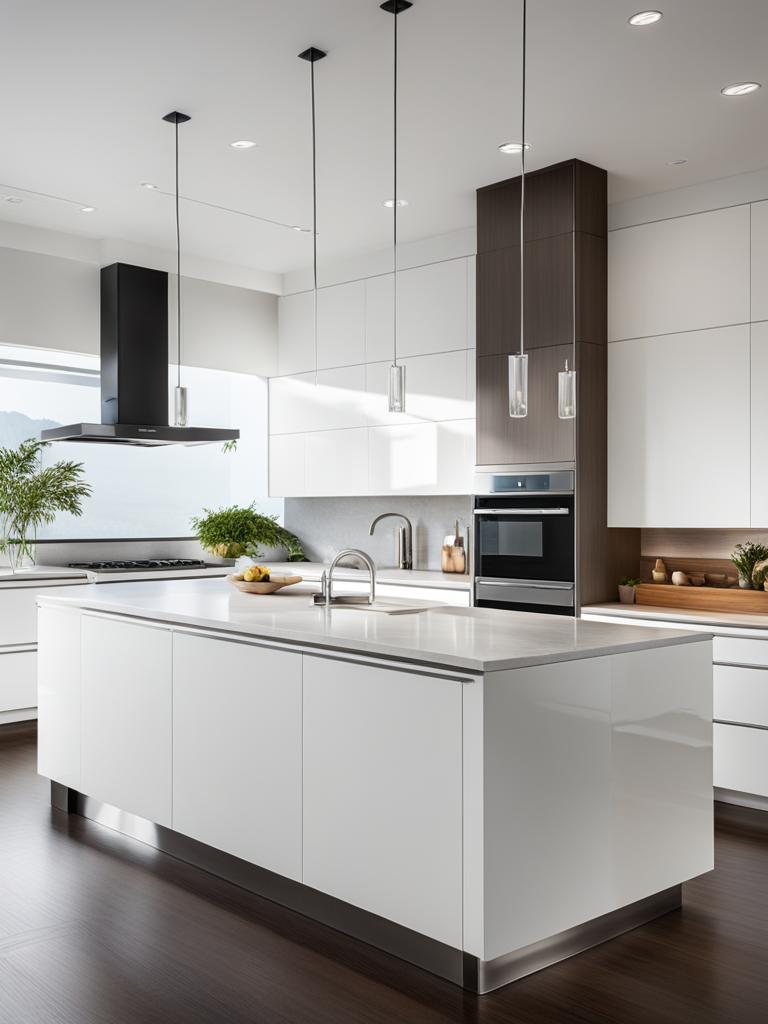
404	538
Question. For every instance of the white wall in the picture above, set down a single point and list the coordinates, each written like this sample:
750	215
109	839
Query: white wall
52	301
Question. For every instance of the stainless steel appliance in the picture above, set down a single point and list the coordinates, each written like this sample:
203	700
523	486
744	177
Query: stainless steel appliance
525	541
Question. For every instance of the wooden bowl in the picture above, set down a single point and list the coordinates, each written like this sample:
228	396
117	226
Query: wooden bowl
271	586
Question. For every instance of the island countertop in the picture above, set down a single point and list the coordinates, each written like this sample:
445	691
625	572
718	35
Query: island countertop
478	640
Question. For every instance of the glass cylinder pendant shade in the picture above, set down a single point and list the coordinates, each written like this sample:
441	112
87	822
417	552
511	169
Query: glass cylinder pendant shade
518	386
566	393
397	388
181	407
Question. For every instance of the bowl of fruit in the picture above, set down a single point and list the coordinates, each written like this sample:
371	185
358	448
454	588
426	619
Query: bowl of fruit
257	579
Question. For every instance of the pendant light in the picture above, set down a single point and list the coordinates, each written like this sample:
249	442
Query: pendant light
180	398
312	55
518	364
396	401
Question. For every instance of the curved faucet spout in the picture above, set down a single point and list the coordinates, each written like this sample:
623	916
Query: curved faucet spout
404	538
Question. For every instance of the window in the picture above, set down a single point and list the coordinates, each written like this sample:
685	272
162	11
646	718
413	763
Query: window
139	492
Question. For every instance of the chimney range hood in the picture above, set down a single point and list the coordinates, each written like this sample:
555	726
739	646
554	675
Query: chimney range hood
134	367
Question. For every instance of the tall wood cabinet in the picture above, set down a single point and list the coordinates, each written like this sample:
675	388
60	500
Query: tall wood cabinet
566	304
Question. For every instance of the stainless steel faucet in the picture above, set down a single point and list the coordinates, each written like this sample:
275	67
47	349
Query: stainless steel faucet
404	538
326	581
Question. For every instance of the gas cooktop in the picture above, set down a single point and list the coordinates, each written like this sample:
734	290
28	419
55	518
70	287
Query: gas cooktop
141	564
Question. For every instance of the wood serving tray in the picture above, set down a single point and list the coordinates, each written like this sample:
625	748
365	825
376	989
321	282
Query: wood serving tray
705	599
274	584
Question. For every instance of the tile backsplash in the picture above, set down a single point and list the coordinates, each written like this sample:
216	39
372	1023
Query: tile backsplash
326	525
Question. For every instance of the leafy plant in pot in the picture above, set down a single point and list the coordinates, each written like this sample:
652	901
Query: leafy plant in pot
627	589
745	557
31	496
236	531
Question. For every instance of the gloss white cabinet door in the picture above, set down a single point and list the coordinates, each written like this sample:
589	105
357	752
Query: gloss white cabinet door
237	750
679	430
341	324
126	716
59	695
433	308
759	406
295	318
287	477
18	681
759	234
382	793
18	616
337	463
681	274
741	759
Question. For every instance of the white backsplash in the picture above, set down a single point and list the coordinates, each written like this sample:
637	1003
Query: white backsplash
326	525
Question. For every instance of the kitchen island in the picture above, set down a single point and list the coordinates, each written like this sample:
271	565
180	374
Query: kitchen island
479	791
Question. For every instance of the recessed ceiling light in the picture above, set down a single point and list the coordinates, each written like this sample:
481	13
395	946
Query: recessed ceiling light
677	163
87	209
645	18
242	144
148	184
389	203
740	88
513	147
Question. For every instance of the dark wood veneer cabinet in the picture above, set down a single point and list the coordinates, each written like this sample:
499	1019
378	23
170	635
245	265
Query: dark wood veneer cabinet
566	304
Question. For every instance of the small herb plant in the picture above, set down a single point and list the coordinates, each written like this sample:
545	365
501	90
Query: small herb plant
629	581
235	531
31	496
746	556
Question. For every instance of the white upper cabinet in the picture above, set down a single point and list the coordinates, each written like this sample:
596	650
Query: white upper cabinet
438	387
682	274
760	261
341	324
679	430
336	463
338	399
759	447
432	308
422	458
379	318
287	456
296	348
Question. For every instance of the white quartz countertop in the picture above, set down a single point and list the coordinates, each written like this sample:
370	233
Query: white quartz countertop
39	574
403	577
472	639
751	620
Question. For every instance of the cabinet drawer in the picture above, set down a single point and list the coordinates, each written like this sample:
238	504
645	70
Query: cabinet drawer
741	759
741	695
736	650
18	680
18	616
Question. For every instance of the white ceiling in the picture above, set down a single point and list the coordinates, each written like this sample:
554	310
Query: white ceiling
84	85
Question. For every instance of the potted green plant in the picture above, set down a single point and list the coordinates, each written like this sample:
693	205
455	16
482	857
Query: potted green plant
745	557
236	531
31	496
627	586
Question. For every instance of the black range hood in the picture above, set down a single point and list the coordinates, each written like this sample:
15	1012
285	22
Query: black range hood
134	367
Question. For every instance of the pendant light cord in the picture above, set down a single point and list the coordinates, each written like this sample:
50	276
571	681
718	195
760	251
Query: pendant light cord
178	268
314	210
522	194
394	194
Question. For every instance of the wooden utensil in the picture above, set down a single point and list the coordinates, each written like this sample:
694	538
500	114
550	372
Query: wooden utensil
270	586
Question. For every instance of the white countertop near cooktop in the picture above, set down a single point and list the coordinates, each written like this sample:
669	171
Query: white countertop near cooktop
39	574
473	639
403	577
615	609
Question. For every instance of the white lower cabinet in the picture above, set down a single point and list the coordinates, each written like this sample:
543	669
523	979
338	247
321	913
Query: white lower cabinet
741	759
126	716
59	695
383	793
237	749
18	680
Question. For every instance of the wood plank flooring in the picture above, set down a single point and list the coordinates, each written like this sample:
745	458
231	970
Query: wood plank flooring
97	929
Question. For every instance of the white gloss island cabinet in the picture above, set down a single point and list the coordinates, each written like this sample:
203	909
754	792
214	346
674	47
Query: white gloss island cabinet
476	821
330	431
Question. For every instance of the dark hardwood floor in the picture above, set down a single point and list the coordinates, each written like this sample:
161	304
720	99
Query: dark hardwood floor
98	929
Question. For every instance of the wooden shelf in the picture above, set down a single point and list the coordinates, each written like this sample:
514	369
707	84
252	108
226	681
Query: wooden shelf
707	599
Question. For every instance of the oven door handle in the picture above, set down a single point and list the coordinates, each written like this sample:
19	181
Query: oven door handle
522	511
524	586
